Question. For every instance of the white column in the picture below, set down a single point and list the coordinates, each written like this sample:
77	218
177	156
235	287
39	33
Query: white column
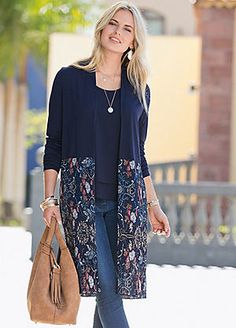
9	164
20	153
2	115
1	129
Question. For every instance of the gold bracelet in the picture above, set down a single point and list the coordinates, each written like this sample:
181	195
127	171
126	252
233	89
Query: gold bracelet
48	202
48	205
153	202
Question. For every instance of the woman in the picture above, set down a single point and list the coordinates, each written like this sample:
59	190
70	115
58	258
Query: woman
96	130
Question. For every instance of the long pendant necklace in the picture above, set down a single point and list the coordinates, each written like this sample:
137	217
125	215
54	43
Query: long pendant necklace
105	78
110	108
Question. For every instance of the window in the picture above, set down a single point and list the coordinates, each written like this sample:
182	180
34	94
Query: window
155	22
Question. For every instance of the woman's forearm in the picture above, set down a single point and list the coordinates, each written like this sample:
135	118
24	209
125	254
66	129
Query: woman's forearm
50	180
150	191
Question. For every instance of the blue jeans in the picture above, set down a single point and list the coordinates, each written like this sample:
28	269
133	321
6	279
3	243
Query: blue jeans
109	310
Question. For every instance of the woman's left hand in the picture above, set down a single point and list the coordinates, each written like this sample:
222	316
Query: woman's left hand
159	221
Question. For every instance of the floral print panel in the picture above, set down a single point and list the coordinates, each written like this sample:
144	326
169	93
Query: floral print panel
132	230
77	206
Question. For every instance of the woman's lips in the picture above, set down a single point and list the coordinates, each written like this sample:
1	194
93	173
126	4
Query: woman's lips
114	40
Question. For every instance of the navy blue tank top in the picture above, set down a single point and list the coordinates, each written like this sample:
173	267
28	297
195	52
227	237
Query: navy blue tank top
107	145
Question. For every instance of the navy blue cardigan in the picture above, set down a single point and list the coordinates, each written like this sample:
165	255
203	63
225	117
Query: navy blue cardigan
72	110
71	147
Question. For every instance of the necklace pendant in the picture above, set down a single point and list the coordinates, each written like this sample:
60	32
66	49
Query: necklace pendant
110	110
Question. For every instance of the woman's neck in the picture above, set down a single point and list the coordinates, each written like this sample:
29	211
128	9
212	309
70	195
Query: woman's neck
111	64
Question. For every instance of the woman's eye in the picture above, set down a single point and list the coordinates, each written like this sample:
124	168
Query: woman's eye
113	23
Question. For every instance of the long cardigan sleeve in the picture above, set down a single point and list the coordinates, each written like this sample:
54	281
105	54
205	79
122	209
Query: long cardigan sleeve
53	144
143	127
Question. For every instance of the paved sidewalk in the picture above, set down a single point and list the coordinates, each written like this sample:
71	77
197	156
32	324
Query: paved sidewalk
178	297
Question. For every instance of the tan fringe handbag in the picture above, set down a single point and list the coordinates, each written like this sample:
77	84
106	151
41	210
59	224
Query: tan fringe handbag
53	294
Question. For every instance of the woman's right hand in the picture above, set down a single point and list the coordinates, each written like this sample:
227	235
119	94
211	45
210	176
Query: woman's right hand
49	212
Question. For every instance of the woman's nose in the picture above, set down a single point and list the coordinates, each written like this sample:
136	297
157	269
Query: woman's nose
118	30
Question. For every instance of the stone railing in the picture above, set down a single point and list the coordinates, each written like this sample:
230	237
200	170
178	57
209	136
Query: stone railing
202	218
181	170
203	224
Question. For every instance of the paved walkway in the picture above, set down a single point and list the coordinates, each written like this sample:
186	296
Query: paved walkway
178	297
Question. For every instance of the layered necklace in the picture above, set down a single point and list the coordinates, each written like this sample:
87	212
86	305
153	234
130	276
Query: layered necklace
106	78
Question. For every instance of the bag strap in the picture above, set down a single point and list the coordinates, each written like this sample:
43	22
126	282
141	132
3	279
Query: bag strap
44	236
49	233
59	237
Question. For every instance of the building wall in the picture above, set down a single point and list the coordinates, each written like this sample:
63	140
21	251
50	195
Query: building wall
233	113
216	29
175	67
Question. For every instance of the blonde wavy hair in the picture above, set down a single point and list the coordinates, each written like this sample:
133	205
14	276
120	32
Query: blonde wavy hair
137	68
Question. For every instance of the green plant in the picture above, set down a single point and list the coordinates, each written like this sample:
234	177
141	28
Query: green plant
11	222
35	127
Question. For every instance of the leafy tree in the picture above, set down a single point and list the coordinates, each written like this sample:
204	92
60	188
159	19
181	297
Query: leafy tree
25	27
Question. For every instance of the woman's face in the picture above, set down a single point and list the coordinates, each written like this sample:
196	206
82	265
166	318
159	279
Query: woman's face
118	34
